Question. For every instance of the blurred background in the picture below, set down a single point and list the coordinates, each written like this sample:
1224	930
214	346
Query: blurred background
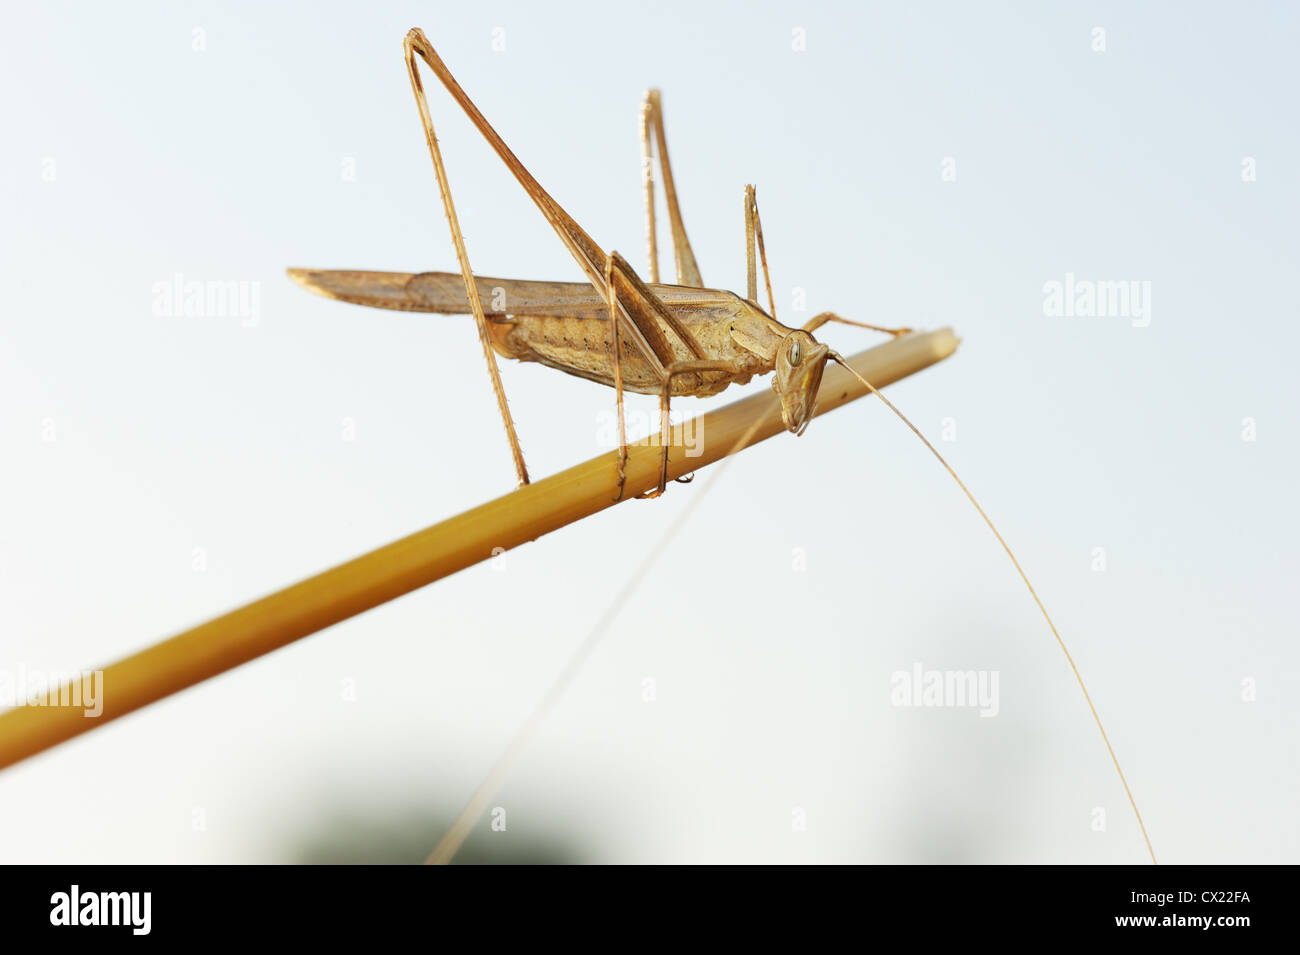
926	164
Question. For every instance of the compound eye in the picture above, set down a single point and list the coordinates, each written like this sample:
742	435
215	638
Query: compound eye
796	352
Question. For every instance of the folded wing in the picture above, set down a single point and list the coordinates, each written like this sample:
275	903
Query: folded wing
445	292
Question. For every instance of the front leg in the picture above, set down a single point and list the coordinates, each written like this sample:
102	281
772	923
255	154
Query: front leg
817	321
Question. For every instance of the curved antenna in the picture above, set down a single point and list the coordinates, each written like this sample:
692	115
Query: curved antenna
455	836
835	356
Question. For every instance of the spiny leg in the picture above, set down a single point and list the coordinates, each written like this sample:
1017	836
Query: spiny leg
616	357
665	398
652	121
648	192
641	313
650	308
471	287
622	280
817	321
754	233
754	230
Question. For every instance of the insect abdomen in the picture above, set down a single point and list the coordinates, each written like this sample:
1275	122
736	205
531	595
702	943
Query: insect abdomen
582	347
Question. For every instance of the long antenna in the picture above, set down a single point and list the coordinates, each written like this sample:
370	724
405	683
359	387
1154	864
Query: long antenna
461	827
1033	593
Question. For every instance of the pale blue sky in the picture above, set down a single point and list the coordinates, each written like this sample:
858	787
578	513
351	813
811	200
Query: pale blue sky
130	157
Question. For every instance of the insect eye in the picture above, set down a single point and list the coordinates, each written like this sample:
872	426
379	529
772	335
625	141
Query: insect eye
796	352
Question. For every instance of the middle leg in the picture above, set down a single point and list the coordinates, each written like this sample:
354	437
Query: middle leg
665	398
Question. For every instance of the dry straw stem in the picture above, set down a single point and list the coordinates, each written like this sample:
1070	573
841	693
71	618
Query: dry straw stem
435	552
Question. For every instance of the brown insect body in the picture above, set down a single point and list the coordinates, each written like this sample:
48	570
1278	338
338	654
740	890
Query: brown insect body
565	325
665	340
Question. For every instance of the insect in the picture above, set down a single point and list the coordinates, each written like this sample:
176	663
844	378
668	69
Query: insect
615	329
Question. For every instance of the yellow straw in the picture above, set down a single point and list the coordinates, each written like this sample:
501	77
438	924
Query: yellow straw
435	552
